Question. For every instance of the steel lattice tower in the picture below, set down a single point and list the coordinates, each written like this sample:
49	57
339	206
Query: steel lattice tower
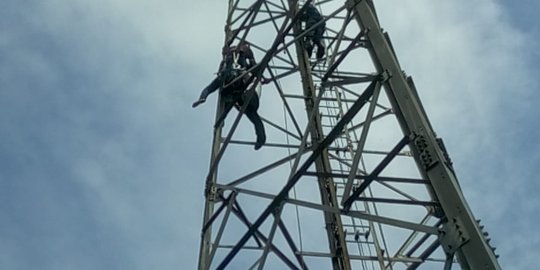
352	175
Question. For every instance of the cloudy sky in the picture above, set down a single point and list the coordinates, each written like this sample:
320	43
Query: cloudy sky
102	158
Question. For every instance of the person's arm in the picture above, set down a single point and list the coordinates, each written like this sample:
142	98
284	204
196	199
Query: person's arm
221	66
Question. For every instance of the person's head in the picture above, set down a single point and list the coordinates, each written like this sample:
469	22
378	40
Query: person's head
243	45
225	50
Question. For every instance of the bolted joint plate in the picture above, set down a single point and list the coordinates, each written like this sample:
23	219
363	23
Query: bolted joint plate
453	235
212	192
426	151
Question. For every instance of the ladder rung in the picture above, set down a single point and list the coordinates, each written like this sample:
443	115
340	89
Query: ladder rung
360	242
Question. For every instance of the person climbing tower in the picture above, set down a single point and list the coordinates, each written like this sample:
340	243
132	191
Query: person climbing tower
233	80
311	16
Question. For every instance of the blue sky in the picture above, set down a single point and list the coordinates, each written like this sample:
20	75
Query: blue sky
102	159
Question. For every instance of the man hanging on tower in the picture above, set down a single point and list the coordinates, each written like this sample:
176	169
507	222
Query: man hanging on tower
234	82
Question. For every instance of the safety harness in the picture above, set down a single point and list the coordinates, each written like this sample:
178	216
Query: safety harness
230	70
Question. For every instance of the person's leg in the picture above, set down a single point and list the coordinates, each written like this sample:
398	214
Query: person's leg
228	104
309	39
253	116
212	87
308	45
317	39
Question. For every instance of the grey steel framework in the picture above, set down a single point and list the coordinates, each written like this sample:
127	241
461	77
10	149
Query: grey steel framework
352	175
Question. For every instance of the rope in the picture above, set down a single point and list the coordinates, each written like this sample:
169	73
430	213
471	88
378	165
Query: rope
299	228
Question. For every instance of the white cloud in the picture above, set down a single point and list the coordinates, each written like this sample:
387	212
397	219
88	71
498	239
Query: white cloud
140	153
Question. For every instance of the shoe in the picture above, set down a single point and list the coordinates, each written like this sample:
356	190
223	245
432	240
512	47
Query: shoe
320	53
198	102
260	142
309	51
258	145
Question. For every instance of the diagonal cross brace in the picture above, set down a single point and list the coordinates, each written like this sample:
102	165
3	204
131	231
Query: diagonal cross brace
402	143
282	195
237	210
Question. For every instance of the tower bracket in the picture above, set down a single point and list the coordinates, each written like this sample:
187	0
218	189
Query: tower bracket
453	235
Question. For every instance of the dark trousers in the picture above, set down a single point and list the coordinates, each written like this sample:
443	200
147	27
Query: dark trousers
212	87
239	100
232	97
314	37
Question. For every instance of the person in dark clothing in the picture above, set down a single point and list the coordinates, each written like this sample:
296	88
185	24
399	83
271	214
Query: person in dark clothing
311	16
234	81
